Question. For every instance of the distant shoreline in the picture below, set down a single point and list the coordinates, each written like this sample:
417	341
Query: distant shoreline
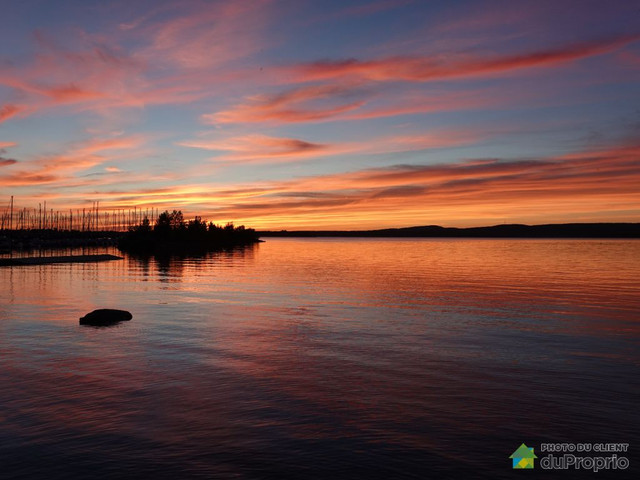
563	230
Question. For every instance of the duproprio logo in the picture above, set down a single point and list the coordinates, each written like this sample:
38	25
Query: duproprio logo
523	457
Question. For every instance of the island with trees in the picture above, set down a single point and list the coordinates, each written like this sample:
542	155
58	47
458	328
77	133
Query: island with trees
172	234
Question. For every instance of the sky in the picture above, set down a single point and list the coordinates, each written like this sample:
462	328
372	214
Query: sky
301	114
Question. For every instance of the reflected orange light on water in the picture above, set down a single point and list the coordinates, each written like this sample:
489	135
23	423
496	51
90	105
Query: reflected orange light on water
418	346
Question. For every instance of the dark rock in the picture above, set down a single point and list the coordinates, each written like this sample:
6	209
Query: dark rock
105	316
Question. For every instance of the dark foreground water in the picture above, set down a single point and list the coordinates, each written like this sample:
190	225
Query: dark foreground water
328	358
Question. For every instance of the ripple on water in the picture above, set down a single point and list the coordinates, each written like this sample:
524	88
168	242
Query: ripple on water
320	357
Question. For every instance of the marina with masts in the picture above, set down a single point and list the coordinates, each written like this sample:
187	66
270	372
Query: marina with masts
86	219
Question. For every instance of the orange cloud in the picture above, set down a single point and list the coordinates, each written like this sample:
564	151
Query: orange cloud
579	166
348	99
352	101
92	76
296	105
424	69
8	111
56	168
584	185
253	148
72	93
207	37
261	147
168	59
4	162
424	104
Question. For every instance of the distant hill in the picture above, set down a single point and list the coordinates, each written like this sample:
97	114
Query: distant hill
561	230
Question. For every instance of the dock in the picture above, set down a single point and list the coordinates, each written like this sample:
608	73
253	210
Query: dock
12	262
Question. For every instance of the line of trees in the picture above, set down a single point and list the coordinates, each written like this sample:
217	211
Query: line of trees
171	233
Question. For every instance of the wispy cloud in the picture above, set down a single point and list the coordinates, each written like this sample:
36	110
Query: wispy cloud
433	68
582	185
261	147
90	76
592	176
54	168
266	149
8	111
96	73
295	105
209	36
347	88
4	162
599	181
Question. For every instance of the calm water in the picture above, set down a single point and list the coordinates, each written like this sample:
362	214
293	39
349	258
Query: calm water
320	358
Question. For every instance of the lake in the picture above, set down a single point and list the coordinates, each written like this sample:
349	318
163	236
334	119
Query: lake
321	358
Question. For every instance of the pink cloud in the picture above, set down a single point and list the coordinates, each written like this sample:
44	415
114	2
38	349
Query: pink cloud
598	180
175	54
8	111
266	149
208	37
295	105
72	93
5	162
430	103
261	147
92	76
431	68
595	182
352	98
56	168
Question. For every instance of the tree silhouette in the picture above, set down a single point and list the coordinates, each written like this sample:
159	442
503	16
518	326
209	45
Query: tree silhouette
170	234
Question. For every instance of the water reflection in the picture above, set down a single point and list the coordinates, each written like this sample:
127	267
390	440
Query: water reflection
170	268
317	358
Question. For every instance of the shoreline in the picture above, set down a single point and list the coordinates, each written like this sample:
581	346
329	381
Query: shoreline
564	230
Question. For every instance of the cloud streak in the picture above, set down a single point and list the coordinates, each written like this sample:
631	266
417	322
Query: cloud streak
4	162
349	86
582	185
169	60
304	104
209	37
56	168
8	111
434	68
261	147
462	193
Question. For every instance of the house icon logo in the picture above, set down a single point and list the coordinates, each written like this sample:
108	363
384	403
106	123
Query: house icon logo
523	457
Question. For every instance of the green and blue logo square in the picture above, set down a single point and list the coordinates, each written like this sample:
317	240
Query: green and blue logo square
523	457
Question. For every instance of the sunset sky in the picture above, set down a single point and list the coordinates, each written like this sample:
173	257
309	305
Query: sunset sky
325	114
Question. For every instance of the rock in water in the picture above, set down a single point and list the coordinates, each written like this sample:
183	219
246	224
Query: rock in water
105	316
